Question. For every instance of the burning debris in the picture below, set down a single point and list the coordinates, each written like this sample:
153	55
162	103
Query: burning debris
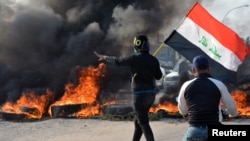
30	106
242	102
80	100
83	96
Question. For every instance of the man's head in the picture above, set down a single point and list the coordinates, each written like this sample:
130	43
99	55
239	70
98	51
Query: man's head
141	43
200	64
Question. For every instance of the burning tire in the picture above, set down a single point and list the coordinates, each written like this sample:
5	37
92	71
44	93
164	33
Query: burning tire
12	116
118	110
29	110
165	114
65	110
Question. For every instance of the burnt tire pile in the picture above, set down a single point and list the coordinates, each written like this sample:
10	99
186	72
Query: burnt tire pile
111	112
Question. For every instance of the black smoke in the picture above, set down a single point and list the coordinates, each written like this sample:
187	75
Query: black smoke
41	41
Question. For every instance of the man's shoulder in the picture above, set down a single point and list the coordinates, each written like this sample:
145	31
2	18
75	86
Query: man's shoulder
217	82
188	82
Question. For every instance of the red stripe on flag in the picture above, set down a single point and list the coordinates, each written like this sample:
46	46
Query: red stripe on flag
222	33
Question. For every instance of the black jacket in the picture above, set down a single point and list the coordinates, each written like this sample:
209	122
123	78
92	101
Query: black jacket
145	69
200	99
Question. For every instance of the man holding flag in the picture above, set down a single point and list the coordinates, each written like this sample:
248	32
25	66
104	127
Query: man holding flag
199	33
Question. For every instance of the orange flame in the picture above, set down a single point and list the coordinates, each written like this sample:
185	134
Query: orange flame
241	99
35	104
88	111
86	92
166	106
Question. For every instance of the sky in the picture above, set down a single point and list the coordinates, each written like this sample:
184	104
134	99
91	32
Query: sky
235	14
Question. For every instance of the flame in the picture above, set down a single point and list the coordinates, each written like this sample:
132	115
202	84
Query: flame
36	105
88	111
166	106
86	92
241	99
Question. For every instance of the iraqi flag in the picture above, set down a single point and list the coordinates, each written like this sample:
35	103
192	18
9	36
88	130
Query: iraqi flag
200	33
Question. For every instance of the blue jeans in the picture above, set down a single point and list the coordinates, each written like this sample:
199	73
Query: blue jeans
197	133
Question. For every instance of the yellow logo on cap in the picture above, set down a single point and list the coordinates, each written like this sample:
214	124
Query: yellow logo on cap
137	42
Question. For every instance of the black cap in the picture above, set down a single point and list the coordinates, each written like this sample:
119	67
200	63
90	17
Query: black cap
200	62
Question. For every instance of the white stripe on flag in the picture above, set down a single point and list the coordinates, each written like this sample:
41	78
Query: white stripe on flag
206	42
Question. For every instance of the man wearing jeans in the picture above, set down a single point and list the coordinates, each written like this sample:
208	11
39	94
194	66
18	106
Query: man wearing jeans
199	101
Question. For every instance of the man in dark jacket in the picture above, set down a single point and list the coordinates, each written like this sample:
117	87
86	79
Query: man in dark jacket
145	69
200	101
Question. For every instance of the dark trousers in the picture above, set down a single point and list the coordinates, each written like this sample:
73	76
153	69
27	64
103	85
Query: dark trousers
142	103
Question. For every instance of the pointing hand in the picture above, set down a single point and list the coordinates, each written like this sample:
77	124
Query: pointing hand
101	57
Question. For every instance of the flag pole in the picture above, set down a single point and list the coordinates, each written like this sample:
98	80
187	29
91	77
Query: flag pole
158	49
